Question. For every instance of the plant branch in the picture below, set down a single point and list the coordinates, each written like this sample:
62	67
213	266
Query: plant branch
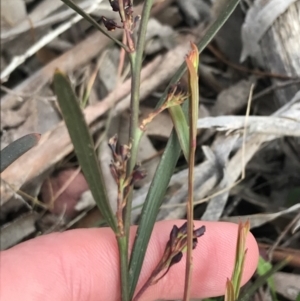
136	65
134	131
87	17
123	254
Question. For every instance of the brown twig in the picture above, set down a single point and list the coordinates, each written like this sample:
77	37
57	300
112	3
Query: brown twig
283	234
223	59
275	87
280	254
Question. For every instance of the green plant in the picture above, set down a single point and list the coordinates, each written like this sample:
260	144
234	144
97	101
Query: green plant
261	280
233	285
262	268
265	272
123	167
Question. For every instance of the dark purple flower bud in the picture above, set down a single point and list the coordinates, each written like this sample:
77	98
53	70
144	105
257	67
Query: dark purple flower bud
115	5
110	25
173	234
175	259
137	175
183	229
195	242
200	231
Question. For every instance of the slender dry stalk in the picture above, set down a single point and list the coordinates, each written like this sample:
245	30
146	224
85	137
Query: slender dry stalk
192	62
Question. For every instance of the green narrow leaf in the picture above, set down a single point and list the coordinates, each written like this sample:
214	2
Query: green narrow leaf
166	166
181	128
240	255
229	293
83	144
162	177
260	281
17	148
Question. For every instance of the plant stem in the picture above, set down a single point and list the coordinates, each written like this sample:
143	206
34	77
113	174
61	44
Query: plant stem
136	59
123	253
190	218
134	109
192	62
121	11
87	17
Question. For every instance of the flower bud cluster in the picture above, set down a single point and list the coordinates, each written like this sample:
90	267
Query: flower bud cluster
118	166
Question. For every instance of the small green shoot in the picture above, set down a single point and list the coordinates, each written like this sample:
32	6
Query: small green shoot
263	267
240	255
261	280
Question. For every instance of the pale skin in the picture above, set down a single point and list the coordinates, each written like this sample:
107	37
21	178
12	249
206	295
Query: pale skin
82	265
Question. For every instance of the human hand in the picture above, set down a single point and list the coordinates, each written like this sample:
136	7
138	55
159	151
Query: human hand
83	265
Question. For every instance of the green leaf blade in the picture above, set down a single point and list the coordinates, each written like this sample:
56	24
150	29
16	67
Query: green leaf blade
156	192
83	144
181	128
